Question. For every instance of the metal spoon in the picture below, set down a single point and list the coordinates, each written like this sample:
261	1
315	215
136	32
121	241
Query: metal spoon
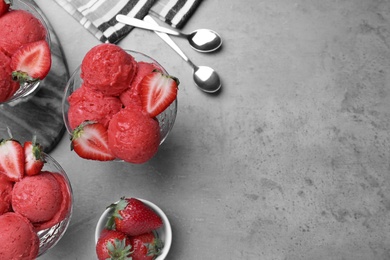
202	40
205	78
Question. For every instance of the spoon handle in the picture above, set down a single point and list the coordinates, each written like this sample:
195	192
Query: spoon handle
168	40
144	25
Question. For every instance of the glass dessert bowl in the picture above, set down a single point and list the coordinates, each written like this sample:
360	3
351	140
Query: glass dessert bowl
165	119
27	88
164	233
35	207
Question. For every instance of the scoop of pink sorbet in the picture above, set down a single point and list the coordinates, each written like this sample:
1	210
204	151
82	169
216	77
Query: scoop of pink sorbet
108	68
65	204
18	27
133	136
37	197
7	86
132	95
18	239
5	194
87	104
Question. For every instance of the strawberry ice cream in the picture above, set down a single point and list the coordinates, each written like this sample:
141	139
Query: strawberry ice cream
37	197
7	86
132	95
18	239
18	27
87	104
108	68
133	136
129	128
64	207
5	194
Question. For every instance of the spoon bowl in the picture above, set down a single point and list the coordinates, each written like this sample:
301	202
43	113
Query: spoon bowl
202	40
205	78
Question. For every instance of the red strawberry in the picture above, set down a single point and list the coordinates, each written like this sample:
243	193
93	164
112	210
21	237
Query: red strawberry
113	244
11	159
158	91
4	6
145	246
32	61
90	141
133	217
34	160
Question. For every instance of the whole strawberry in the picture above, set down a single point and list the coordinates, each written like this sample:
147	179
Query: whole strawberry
145	246
11	159
113	245
34	160
133	217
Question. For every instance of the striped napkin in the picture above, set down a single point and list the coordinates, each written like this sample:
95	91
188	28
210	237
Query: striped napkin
98	16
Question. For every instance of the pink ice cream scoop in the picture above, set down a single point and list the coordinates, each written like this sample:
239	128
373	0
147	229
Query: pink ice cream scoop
5	194
108	69
18	239
133	136
37	197
18	27
87	104
132	95
7	86
65	204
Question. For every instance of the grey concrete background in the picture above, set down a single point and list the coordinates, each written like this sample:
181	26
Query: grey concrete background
290	161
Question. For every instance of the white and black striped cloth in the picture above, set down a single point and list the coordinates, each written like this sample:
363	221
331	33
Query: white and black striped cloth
98	16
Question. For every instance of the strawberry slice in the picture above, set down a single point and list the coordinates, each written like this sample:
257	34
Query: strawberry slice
31	62
90	141
158	91
4	6
34	160
11	159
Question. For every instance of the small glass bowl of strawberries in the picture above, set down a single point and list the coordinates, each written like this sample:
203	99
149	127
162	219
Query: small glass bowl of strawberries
25	54
36	202
133	227
119	105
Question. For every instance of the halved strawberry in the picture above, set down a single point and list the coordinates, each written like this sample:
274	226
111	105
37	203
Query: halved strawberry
90	141
4	6
34	160
31	62
11	159
158	91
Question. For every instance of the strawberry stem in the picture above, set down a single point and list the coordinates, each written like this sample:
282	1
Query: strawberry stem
118	250
155	248
37	149
116	207
23	77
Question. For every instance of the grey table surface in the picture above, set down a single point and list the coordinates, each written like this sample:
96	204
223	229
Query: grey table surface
290	161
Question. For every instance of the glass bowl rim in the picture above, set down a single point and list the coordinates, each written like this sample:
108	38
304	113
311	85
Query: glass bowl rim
41	234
